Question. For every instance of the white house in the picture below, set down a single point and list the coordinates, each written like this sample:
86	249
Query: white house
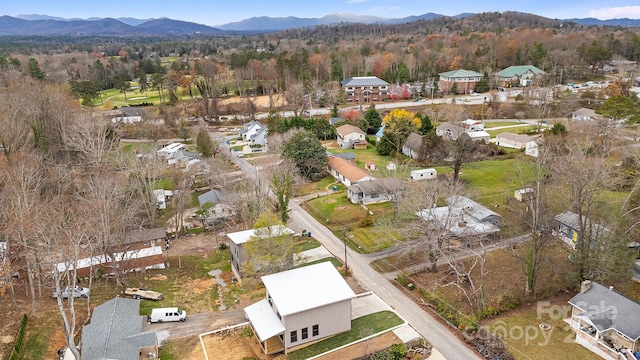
302	305
254	132
346	172
349	135
473	125
479	136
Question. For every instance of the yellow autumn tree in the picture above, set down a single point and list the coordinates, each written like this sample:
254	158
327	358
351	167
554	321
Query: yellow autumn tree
399	123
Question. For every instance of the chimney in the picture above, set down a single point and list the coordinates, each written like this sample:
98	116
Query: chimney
585	286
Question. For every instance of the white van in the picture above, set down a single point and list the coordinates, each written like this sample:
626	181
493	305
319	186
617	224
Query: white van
160	315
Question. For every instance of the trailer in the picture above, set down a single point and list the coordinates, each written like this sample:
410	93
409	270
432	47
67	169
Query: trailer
423	174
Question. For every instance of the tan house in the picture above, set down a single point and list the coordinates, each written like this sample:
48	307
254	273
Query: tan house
605	321
349	136
302	305
364	89
346	172
513	141
465	81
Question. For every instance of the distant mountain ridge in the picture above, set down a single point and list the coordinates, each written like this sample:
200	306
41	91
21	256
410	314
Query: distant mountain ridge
44	25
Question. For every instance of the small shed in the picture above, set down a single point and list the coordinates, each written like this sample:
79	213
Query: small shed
371	166
523	194
423	174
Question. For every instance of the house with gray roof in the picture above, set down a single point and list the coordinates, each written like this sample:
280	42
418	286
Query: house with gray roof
115	332
374	191
584	114
465	81
567	228
450	131
513	141
462	217
518	75
411	147
301	306
605	321
365	89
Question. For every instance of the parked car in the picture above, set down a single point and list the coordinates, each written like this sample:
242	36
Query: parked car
76	292
142	293
160	315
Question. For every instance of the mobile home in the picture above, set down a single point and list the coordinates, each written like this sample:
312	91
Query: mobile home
423	174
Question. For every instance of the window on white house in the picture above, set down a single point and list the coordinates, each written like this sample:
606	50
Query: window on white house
294	336
315	330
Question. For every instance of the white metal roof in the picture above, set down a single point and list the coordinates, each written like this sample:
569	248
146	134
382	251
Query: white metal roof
242	237
264	320
307	288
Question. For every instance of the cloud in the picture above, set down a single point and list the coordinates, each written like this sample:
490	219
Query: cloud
631	12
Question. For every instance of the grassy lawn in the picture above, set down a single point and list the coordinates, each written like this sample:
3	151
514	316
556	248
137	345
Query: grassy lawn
308	188
495	180
365	156
513	130
520	331
360	328
305	243
337	213
489	125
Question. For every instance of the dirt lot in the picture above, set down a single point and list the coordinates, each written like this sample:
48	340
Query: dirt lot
259	101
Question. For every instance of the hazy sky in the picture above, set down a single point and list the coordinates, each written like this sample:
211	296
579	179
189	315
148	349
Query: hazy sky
215	12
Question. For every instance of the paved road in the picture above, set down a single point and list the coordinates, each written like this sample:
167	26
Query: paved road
440	337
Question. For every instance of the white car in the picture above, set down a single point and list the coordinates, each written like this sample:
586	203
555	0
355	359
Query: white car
76	292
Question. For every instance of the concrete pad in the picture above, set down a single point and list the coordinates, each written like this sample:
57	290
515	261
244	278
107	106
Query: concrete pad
406	333
366	304
314	254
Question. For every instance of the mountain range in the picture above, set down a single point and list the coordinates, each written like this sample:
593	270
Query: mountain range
44	25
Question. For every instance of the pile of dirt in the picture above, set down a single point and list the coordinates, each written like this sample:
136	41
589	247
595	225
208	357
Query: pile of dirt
198	286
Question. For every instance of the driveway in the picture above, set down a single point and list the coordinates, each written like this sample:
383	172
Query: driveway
196	324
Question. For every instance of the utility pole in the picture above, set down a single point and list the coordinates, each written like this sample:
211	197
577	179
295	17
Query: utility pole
344	234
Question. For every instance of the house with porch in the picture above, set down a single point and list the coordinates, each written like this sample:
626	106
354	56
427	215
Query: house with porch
237	240
365	89
115	332
346	172
532	147
411	147
301	306
518	75
350	136
465	81
567	228
606	322
374	191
